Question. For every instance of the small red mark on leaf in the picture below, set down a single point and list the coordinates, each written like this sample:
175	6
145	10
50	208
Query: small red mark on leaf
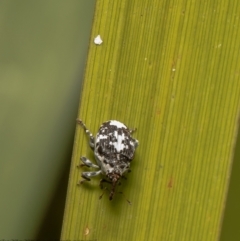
170	183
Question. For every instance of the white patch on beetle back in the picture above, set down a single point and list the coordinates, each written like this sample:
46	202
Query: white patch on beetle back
118	144
117	124
102	137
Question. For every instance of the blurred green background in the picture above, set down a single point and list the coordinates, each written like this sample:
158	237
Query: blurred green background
43	50
231	220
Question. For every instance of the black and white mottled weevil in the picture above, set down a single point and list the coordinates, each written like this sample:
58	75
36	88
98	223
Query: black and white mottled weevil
113	148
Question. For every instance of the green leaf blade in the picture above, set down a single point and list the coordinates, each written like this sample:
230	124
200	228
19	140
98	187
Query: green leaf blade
171	69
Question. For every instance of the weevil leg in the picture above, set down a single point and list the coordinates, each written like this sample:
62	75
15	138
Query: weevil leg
132	130
87	176
136	143
87	162
103	180
91	137
100	197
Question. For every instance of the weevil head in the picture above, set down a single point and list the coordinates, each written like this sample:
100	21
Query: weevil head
114	177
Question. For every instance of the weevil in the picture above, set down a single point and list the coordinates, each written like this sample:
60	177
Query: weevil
114	149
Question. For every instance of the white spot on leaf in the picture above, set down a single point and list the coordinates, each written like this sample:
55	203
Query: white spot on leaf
98	40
